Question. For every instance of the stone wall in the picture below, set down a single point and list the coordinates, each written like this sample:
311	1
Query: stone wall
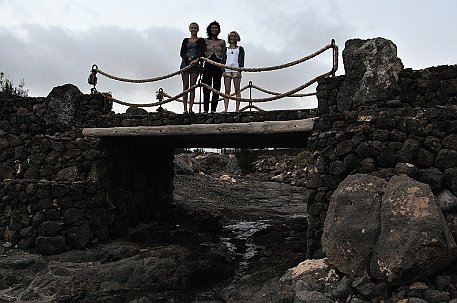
61	190
383	120
140	117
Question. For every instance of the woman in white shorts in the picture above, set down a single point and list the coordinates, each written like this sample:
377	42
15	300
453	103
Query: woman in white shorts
235	58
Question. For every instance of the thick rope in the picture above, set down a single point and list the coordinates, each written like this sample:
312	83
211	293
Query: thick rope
276	97
291	93
269	68
286	94
252	69
142	80
158	103
275	93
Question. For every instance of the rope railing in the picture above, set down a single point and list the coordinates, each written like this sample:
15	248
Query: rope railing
275	95
250	85
279	96
139	80
270	68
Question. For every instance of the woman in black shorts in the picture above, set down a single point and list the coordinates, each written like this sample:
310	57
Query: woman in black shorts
191	49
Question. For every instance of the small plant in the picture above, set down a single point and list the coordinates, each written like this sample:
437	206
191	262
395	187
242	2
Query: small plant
245	159
8	89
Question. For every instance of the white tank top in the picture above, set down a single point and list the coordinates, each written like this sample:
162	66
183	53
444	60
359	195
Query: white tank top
232	58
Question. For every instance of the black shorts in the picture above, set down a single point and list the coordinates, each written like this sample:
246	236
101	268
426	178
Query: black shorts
195	69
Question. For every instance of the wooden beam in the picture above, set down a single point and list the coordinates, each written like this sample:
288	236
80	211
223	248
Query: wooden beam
251	128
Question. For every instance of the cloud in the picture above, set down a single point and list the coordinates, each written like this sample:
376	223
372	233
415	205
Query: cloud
48	56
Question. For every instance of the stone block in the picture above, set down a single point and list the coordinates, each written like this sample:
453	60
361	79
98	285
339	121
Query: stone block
50	245
50	228
79	236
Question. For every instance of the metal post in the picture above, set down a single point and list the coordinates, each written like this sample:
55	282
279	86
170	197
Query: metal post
92	80
250	95
200	95
159	96
335	57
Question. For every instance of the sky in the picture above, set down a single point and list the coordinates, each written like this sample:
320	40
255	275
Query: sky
48	43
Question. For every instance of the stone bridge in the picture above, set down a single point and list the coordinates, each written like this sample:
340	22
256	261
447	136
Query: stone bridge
72	172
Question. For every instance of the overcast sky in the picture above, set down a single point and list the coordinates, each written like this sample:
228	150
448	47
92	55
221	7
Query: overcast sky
52	42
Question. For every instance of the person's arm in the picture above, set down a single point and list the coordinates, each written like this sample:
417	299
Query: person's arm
200	48
183	50
241	57
224	52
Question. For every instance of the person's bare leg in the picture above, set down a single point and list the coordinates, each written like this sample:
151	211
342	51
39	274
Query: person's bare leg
236	84
185	85
193	81
227	84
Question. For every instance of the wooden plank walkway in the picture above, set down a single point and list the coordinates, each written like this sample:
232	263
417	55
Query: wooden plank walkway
291	133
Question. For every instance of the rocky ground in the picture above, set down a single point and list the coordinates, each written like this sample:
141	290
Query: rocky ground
263	222
229	238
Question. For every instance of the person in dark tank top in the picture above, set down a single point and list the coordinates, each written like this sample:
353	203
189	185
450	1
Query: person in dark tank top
192	48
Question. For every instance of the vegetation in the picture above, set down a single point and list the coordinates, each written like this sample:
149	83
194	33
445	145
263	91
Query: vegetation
245	159
7	87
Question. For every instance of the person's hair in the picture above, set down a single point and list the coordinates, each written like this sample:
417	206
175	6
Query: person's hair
195	23
238	38
208	29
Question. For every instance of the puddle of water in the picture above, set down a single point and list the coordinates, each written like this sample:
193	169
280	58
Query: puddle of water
244	231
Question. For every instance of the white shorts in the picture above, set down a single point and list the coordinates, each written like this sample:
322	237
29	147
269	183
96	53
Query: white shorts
232	75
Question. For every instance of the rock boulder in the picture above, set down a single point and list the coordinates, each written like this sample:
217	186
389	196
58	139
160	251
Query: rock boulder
374	65
60	105
392	231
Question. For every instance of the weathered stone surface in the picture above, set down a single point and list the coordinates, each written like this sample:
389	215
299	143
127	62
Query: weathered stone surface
411	242
450	180
120	270
390	231
6	172
369	289
446	200
185	164
450	142
373	67
435	296
342	289
69	173
311	296
136	111
79	236
409	150
431	176
50	245
317	273
60	106
352	226
446	158
50	228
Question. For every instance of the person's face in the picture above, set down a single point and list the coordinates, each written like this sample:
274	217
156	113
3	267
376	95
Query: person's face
193	28
233	38
214	30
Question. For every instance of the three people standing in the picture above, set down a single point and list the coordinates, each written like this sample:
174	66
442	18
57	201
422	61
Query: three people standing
216	50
